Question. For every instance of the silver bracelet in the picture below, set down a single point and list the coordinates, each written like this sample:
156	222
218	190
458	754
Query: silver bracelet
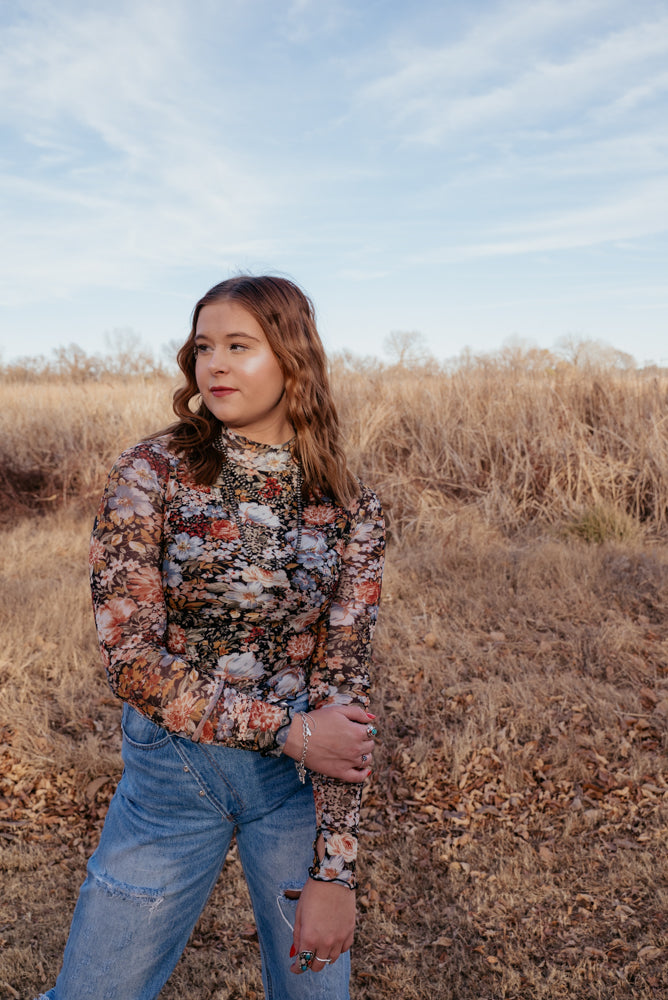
306	732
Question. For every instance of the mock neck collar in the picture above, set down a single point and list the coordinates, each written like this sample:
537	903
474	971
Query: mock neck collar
254	456
237	445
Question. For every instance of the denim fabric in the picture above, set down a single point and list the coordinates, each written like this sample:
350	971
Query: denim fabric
162	848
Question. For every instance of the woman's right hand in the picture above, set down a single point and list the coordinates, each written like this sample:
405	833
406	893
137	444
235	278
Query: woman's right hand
338	742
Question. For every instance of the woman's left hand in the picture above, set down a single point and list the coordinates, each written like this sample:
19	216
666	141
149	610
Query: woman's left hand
340	745
324	924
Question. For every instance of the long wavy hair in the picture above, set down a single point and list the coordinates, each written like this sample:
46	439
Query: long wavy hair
287	318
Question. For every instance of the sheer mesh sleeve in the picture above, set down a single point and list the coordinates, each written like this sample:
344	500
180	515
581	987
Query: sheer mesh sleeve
340	675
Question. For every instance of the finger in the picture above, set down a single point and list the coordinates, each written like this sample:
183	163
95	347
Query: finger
297	932
353	774
356	713
367	735
355	757
318	964
358	757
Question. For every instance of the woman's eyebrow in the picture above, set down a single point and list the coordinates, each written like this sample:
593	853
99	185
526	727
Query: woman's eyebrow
227	336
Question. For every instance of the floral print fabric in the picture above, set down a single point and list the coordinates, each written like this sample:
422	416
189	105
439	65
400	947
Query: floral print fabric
216	645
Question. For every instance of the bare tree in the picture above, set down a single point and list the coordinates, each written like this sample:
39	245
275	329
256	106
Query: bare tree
406	347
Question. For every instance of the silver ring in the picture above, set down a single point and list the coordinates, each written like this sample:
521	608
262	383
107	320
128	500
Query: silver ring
371	731
325	961
364	760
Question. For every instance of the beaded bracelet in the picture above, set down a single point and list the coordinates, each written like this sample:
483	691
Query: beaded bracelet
306	732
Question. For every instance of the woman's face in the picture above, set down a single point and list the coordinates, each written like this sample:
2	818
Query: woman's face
238	374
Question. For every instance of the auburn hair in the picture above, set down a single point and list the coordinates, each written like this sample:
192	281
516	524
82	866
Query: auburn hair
287	318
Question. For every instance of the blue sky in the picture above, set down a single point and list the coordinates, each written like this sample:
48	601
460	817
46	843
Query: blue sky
476	171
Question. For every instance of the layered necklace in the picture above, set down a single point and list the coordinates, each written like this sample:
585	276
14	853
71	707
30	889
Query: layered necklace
254	542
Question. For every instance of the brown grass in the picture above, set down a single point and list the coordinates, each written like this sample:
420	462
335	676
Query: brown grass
516	824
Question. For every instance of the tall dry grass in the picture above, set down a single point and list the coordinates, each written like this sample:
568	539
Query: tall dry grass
519	445
58	439
547	445
516	823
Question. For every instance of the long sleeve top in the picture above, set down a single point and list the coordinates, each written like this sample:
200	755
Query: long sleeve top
215	632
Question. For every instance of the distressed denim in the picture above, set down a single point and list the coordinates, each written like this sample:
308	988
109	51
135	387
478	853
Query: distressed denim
162	848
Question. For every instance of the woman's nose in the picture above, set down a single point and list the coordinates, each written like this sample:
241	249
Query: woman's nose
217	360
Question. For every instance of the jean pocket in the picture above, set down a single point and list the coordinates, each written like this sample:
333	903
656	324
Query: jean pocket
298	703
140	731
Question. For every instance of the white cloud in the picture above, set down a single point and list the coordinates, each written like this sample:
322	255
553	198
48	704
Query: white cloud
153	144
118	167
638	213
518	67
94	69
305	21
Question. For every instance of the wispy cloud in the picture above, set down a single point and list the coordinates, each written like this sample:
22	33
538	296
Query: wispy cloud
522	66
307	21
113	152
635	215
149	145
546	120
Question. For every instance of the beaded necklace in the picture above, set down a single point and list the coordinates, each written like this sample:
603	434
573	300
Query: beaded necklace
252	545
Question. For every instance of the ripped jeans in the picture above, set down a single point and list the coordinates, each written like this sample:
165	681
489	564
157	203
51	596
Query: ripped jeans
162	848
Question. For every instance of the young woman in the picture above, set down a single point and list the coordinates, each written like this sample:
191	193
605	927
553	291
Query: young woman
236	567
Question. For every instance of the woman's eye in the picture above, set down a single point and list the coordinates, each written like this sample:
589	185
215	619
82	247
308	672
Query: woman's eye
209	349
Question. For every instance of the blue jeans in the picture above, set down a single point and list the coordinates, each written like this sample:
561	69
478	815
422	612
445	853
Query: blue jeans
162	848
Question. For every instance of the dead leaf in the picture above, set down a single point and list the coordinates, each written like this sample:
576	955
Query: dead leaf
93	787
649	953
442	942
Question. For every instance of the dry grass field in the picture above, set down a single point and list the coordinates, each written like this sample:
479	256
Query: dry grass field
516	824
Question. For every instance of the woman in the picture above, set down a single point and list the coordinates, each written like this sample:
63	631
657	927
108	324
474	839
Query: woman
235	568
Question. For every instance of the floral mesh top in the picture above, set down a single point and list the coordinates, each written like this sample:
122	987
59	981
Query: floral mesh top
217	645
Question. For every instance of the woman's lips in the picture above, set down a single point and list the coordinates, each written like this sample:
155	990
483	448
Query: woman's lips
221	390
